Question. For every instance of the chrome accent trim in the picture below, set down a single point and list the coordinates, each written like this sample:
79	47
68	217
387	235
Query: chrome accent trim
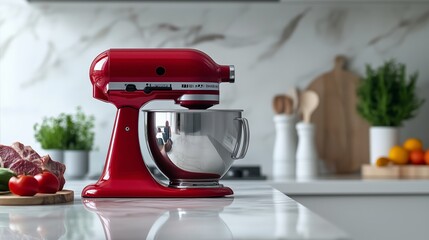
200	86
231	73
194	184
199	97
191	110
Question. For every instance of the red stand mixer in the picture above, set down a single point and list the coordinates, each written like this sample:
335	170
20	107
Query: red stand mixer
130	78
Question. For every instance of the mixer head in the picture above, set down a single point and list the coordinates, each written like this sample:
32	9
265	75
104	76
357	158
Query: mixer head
133	77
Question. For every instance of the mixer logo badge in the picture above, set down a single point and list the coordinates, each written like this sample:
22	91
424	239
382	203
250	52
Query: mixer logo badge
198	86
192	86
215	86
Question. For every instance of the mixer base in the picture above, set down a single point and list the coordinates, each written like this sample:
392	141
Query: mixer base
137	189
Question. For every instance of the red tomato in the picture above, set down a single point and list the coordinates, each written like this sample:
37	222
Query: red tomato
48	182
23	185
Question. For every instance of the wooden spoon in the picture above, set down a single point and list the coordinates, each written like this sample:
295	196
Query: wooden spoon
293	92
309	101
279	104
288	105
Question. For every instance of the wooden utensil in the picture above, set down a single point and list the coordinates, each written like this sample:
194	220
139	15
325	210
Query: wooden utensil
293	93
288	102
279	104
341	134
309	101
38	199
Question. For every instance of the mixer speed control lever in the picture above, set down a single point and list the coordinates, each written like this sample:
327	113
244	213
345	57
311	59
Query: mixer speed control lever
147	89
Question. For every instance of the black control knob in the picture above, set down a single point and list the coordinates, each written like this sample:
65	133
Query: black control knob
130	88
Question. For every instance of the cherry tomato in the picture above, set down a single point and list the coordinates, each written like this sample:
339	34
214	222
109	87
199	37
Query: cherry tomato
48	182
23	185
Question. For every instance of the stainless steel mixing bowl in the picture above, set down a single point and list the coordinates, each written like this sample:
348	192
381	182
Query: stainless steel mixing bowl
195	148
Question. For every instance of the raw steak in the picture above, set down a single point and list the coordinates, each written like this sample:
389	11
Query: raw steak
7	156
26	152
11	159
24	160
22	166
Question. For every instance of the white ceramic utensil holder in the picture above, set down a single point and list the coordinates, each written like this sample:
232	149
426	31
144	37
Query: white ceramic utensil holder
306	154
381	139
284	147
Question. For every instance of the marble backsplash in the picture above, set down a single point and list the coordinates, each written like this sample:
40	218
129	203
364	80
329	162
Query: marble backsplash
46	50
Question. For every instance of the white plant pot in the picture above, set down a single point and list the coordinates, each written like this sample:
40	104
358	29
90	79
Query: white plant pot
381	140
77	163
55	154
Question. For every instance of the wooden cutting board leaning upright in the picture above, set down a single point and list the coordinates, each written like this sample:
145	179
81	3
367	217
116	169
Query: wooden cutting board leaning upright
341	134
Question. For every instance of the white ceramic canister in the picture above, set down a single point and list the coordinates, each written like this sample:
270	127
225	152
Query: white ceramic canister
284	147
306	154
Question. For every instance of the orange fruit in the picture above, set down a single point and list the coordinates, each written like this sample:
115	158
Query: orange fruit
398	155
413	144
382	161
427	156
417	157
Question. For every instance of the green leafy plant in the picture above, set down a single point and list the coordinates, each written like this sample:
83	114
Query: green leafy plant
79	133
386	97
66	132
50	133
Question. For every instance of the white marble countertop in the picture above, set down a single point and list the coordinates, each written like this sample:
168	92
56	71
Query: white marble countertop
256	211
351	185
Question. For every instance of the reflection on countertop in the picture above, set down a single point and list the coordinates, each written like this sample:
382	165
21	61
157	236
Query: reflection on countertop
256	211
165	219
62	221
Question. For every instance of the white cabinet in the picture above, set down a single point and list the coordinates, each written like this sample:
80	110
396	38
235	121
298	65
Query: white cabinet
366	209
373	216
354	1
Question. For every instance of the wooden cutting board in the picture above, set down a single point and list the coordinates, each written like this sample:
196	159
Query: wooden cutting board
38	199
341	134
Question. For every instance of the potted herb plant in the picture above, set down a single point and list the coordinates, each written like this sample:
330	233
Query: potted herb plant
386	98
79	139
50	134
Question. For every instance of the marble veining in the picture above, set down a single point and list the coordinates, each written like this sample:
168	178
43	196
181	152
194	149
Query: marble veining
404	28
332	25
46	50
43	67
285	35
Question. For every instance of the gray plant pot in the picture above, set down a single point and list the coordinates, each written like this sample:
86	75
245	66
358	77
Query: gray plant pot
55	154
77	164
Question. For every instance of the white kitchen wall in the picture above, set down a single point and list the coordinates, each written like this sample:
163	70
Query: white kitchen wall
46	50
